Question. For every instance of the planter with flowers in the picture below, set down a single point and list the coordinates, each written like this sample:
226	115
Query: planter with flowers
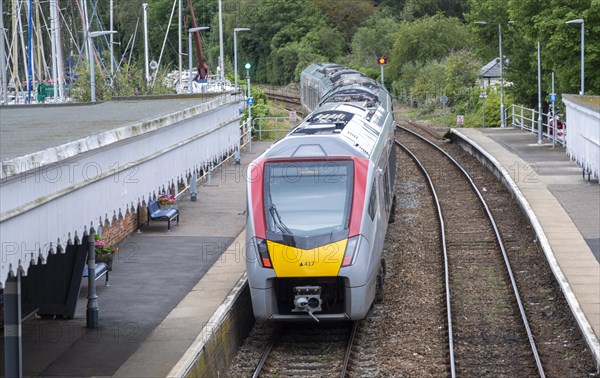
167	201
104	252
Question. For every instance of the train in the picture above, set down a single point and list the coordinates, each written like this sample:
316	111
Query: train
319	202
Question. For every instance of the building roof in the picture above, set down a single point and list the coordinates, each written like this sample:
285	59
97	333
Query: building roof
491	69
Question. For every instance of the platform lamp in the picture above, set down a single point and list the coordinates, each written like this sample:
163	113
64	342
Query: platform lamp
580	21
193	30
91	54
250	102
235	67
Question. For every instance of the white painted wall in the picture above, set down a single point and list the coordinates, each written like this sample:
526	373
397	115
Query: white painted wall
583	134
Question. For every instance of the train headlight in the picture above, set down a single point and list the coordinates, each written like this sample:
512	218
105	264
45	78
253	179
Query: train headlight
351	251
263	253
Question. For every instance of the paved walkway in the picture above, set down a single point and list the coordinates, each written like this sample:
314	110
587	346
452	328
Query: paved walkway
567	209
157	302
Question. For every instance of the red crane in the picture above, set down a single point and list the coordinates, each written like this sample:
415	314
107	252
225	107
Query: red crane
202	66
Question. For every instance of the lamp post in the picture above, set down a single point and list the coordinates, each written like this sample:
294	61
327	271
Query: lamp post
146	66
91	54
221	59
235	67
539	69
502	118
248	66
3	63
193	30
580	21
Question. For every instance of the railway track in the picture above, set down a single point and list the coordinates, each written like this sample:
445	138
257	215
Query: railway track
290	100
488	331
307	350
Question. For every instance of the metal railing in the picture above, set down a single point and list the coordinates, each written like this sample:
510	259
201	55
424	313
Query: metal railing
553	129
278	125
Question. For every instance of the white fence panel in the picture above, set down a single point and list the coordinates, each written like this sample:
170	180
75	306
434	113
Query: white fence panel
583	140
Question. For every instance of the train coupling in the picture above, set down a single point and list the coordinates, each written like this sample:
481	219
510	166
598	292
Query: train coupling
308	299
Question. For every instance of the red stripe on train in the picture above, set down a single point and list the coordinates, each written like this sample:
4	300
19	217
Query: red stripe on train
361	171
256	172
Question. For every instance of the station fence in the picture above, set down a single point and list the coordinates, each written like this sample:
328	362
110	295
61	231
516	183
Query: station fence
553	128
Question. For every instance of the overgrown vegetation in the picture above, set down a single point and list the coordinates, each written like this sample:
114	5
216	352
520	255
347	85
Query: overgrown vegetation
434	47
129	80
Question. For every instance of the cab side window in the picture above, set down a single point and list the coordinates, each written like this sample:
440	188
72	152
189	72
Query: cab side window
373	200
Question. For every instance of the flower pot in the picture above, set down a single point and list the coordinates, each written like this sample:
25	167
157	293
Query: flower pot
105	258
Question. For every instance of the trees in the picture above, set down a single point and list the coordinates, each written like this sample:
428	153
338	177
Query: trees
284	22
560	43
429	38
346	16
374	39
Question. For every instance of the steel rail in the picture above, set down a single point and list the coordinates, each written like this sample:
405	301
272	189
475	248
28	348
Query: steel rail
501	245
348	350
263	359
446	269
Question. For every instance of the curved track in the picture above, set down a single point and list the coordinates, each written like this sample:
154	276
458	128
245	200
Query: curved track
487	334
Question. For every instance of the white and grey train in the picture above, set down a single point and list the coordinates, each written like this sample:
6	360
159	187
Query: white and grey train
319	203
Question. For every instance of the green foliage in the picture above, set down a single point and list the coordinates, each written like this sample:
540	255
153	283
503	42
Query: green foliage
128	81
325	41
284	22
428	84
560	45
374	39
427	39
433	46
282	64
460	69
414	9
346	15
492	106
260	109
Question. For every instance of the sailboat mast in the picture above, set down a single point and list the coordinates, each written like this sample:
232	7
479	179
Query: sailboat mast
53	45
30	51
39	65
15	56
3	59
59	53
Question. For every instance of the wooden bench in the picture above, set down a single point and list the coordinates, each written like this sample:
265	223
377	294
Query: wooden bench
156	213
101	270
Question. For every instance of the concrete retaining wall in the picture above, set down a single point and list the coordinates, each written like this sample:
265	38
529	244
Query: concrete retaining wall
211	354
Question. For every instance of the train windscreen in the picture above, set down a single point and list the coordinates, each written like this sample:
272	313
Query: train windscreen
308	198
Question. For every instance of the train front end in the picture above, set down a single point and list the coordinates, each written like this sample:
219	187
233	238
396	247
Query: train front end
303	240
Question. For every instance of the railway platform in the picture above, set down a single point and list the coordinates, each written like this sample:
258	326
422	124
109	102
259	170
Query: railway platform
565	211
164	288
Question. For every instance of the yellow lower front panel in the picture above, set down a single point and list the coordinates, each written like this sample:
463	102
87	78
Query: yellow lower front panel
324	261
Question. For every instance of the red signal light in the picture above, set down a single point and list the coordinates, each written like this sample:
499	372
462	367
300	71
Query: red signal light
382	60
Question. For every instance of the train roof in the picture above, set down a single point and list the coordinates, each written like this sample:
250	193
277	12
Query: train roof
334	129
342	84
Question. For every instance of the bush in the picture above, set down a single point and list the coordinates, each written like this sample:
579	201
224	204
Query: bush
129	80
